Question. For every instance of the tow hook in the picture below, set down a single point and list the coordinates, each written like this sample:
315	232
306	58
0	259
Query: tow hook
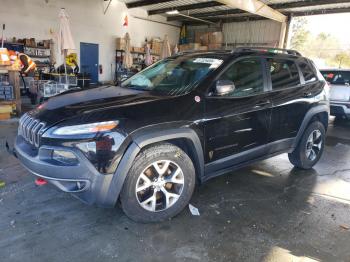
40	182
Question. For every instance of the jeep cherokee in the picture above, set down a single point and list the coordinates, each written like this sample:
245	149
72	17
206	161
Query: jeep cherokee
179	122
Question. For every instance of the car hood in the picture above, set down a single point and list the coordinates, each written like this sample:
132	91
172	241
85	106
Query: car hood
81	103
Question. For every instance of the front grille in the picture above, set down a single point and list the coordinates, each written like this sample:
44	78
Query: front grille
30	129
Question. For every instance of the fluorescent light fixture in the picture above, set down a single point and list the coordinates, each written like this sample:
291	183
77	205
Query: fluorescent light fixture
176	12
172	12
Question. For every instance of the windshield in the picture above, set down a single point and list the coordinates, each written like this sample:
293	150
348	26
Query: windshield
173	76
337	77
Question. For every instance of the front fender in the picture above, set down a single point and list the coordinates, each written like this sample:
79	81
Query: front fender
147	137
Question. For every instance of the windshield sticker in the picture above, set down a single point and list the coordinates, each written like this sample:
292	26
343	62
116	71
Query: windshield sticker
214	63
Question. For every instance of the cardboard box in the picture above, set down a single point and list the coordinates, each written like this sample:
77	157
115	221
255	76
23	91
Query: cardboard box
216	38
214	46
47	43
194	46
203	48
5	109
120	43
5	116
190	47
138	49
183	48
202	38
156	46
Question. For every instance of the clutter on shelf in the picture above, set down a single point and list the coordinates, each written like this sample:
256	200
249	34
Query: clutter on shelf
142	56
204	41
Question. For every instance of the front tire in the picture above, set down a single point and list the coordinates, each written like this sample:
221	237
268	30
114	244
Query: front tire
310	148
159	185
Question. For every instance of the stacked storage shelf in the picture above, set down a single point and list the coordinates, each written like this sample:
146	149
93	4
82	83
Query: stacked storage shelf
10	99
6	93
6	90
40	55
6	97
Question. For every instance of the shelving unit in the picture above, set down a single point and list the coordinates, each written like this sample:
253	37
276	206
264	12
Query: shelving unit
13	77
38	56
41	55
138	64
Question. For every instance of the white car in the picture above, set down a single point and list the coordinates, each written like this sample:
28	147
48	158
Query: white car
339	82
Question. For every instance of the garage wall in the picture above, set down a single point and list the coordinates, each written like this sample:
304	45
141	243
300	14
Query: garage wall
39	19
258	33
250	33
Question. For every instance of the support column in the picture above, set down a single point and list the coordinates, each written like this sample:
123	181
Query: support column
282	34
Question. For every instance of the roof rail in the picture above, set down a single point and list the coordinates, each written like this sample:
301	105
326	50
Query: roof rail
267	49
201	51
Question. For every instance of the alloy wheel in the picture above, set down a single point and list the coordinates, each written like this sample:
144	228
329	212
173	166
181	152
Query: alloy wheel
159	185
314	145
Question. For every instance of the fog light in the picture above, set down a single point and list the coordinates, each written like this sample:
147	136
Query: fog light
65	157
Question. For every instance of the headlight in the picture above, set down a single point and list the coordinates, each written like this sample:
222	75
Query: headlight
86	128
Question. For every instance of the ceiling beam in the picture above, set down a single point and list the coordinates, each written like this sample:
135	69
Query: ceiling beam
306	3
142	3
185	7
256	7
210	14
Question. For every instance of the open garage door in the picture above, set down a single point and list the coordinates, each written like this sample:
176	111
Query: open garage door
242	22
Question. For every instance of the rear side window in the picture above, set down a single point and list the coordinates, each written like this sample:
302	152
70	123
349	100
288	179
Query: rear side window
308	73
284	73
337	77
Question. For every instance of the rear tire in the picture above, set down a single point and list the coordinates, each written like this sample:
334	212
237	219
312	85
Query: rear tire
159	185
310	148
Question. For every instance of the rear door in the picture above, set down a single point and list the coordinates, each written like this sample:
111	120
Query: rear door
291	96
239	121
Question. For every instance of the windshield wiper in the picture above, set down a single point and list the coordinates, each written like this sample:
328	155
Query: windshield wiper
136	87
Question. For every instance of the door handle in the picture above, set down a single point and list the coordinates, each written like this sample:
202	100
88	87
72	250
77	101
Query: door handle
262	103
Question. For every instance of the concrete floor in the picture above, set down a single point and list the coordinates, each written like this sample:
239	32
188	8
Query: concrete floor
265	212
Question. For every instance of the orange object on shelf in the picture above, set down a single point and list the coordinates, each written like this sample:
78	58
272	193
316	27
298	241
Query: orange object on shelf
4	57
5	116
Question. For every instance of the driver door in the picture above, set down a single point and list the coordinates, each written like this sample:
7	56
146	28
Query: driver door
237	123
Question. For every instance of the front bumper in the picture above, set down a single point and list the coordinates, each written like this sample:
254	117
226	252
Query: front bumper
81	180
340	109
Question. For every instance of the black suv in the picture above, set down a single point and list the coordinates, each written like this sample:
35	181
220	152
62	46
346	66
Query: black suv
181	121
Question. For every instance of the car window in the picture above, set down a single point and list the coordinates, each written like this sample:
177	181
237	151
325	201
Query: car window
246	75
284	73
173	76
337	77
308	73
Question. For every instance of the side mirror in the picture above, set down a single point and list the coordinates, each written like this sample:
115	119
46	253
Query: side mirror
224	87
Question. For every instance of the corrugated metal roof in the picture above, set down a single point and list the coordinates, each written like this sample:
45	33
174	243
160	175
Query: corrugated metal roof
314	8
177	3
168	4
210	9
